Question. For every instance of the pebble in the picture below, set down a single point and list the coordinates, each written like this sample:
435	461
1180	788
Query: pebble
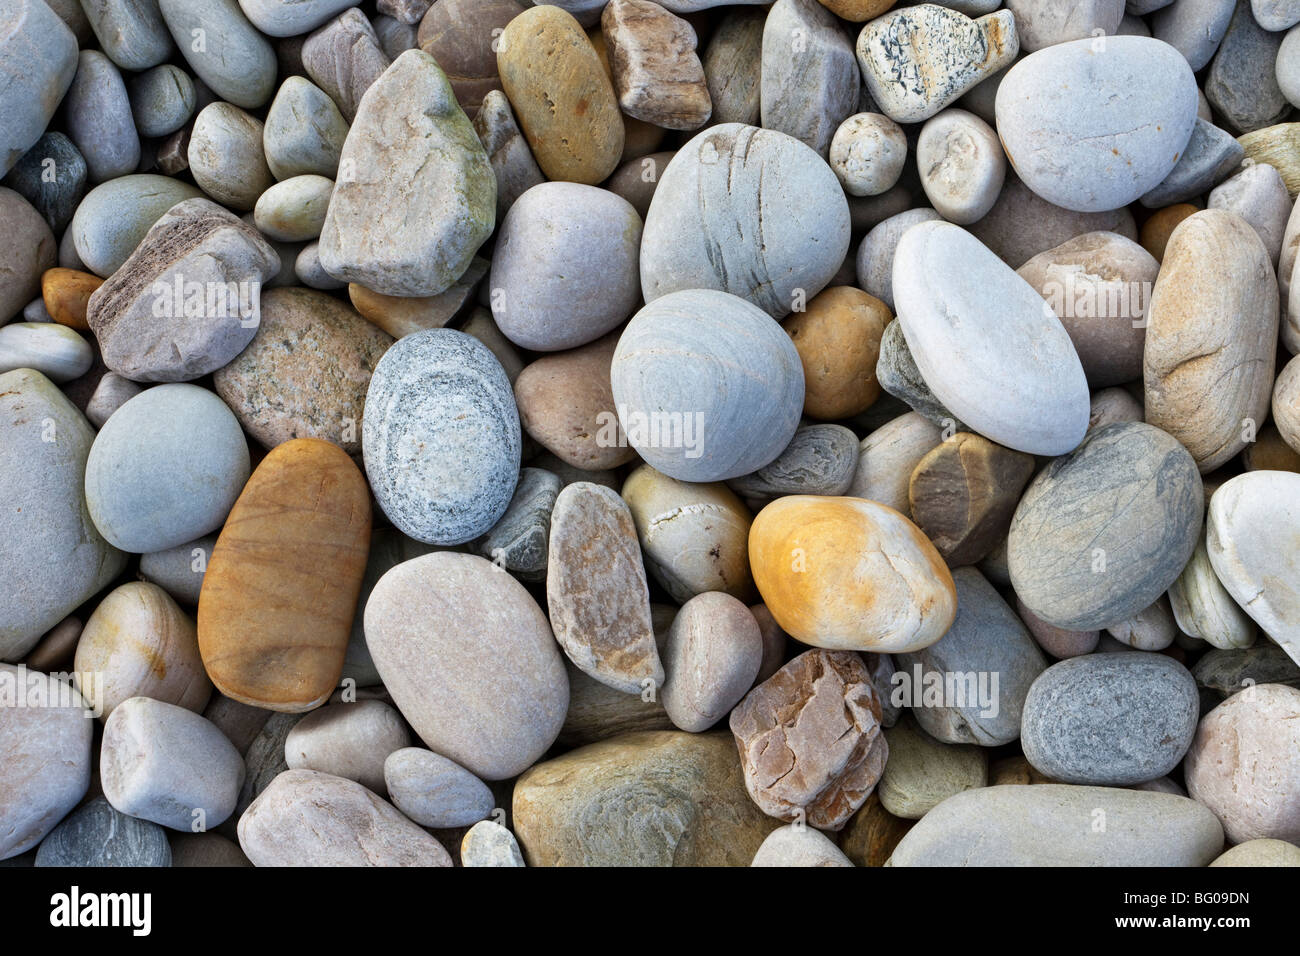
809	76
888	456
479	677
838	338
1043	23
548	67
1244	764
1194	28
311	273
923	772
519	541
1110	719
657	75
663	798
308	818
27	250
56	648
1022	387
344	58
1241	83
1099	285
1260	853
1204	609
294	210
46	753
1209	157
918	60
1276	145
875	257
1286	404
237	62
1258	195
898	375
596	591
733	66
1157	230
97	117
55	196
38	59
490	844
304	131
1087	569
415	199
277	386
282	582
820	460
97	835
961	164
1053	825
693	535
402	315
1224	673
713	654
461	485
66	293
166	764
434	791
139	643
512	161
159	319
263	758
707	387
462	35
57	352
799	846
867	154
1056	641
1251	517
291	18
779	205
1151	629
115	216
564	269
352	741
1214	264
963	493
132	34
226	157
811	744
872	833
1287	66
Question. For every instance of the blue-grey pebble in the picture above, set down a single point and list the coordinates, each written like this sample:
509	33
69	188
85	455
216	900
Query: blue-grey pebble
98	835
1226	672
519	541
38	59
52	177
1210	156
706	385
162	100
304	131
1242	83
1103	531
986	664
226	51
441	437
131	32
97	117
1193	27
898	375
820	460
1110	719
114	217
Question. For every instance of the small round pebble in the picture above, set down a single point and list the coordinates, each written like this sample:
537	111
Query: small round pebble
434	791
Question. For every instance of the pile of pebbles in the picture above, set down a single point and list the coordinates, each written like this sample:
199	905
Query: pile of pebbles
821	433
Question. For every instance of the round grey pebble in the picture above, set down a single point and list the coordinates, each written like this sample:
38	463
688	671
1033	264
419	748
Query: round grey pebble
162	100
304	131
1242	83
131	32
115	216
98	835
820	460
434	791
235	61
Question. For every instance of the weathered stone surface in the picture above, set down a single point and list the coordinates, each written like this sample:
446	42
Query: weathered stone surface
462	35
490	844
304	131
282	584
1193	27
646	799
38	59
344	58
820	460
27	250
713	654
1157	229
55	196
291	18
1043	23
868	153
179	570
115	216
810	78
419	238
1052	825
1205	378
838	338
402	315
810	739
294	210
898	374
1110	719
66	293
657	76
1203	607
519	541
872	833
434	791
596	590
1209	157
799	846
162	100
149	331
1242	84
923	772
1260	853
97	116
97	835
240	66
1244	764
1258	195
888	456
733	66
58	353
962	166
512	161
308	818
470	661
1056	641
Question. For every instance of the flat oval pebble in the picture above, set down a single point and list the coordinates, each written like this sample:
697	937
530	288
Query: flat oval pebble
226	157
923	772
888	456
240	66
462	36
1203	608
820	460
434	791
57	352
712	656
98	835
115	216
349	740
97	116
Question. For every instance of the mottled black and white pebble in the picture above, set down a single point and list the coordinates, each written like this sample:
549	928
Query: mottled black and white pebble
98	835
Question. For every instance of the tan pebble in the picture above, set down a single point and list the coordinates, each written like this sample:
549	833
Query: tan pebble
838	341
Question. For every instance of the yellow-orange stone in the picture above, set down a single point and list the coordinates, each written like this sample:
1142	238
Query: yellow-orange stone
857	11
66	293
278	599
850	574
1156	230
838	341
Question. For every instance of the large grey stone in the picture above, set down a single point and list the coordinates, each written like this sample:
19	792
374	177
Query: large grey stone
38	59
225	51
810	78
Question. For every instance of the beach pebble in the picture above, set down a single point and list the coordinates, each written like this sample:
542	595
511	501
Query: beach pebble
1286	404
923	772
234	60
820	460
442	439
115	216
490	844
733	66
27	249
308	818
811	744
1043	23
838	340
304	131
809	77
1024	389
1204	378
56	648
1209	157
888	456
470	661
693	534
226	157
799	846
45	741
961	165
166	764
462	35
1093	132
54	190
663	798
780	205
917	60
1053	825
1287	66
294	210
98	835
344	58
97	118
1241	83
1258	195
713	654
179	570
1144	498
65	295
548	66
897	373
1110	719
1194	28
276	386
1204	609
57	352
1244	764
596	590
388	227
867	154
657	75
351	741
707	387
401	315
291	18
1260	853
1056	641
282	582
162	100
157	318
1223	673
875	256
38	59
434	791
1151	629
519	541
512	161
